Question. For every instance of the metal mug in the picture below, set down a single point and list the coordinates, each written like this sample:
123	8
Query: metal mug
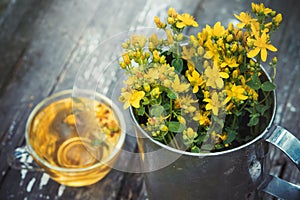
239	173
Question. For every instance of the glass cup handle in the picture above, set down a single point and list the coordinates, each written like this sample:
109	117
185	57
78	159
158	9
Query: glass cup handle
290	145
21	159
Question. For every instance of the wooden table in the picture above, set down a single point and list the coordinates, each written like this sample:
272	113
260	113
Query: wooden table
43	44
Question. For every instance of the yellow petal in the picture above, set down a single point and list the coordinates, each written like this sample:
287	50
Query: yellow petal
264	55
253	53
271	47
242	97
208	55
126	105
208	106
224	75
195	89
219	83
135	103
180	25
215	111
226	100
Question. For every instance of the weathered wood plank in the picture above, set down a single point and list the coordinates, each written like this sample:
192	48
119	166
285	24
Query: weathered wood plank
40	65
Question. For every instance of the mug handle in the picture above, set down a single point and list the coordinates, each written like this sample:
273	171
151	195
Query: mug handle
290	145
20	159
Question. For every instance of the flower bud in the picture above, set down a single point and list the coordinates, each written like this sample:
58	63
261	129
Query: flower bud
171	20
277	19
273	13
252	63
122	65
230	26
180	37
229	38
200	50
172	13
146	87
126	58
239	35
274	60
234	47
181	120
124	45
164	128
235	74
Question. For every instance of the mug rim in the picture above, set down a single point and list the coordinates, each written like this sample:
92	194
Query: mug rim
106	101
205	154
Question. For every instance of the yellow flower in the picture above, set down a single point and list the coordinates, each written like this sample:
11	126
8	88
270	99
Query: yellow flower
138	41
189	133
211	51
156	56
188	53
158	23
196	80
172	13
187	103
155	92
214	77
261	45
154	39
245	18
186	20
229	61
126	58
132	98
218	30
236	92
202	117
213	104
179	87
152	75
260	8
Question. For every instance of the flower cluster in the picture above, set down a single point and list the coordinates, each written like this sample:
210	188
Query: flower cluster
205	92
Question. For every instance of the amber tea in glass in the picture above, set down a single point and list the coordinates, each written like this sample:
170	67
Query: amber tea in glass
75	139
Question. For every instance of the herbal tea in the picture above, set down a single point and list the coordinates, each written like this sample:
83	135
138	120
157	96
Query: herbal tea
75	133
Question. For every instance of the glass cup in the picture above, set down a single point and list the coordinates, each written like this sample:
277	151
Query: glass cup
75	137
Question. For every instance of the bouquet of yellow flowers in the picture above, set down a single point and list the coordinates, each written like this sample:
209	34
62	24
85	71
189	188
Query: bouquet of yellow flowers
205	92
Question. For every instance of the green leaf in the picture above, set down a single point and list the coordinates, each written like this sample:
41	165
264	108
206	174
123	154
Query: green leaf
156	110
243	68
177	64
176	127
254	83
167	106
231	135
268	86
207	147
253	120
262	109
171	94
195	149
141	111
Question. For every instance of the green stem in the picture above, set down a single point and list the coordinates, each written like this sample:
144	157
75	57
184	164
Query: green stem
274	73
173	139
